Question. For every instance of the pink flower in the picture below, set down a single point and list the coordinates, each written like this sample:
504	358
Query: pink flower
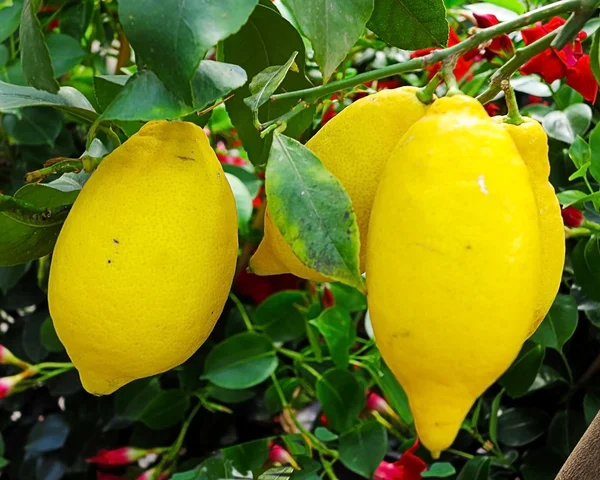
118	456
107	476
378	404
280	456
8	358
7	384
409	467
150	474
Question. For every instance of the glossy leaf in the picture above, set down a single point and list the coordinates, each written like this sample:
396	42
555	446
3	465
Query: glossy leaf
494	410
341	397
210	469
521	426
266	40
249	456
35	56
595	150
311	209
47	435
394	393
49	338
566	125
241	361
332	26
266	83
586	262
541	464
336	326
565	430
410	24
65	53
9	19
243	201
288	387
10	276
172	37
166	409
559	325
439	470
522	373
325	435
477	468
132	400
595	57
348	298
362	449
280	315
34	126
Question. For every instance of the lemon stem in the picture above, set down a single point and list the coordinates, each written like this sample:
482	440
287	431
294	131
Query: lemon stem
447	72
514	116
425	94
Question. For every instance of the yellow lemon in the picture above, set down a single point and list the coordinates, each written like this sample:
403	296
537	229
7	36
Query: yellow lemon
452	263
532	143
354	146
143	264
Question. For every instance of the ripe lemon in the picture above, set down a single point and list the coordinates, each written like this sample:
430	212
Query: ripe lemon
144	262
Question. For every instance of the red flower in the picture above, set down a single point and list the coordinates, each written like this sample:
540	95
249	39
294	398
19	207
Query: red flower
324	420
492	109
259	288
378	404
107	476
224	156
462	66
331	111
569	63
118	456
280	456
502	45
572	217
409	467
8	384
328	299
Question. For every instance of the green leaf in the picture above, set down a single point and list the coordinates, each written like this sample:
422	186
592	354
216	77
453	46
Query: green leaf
250	180
266	40
586	265
144	97
541	464
595	148
394	393
513	5
1	445
241	361
311	209
410	24
3	462
132	399
172	37
243	201
226	395
348	298
107	87
559	325
325	435
266	83
332	26
567	124
594	56
31	341
362	449
477	468
48	435
210	469
439	470
67	99
591	406
522	373
280	315
165	410
337	328
570	197
9	19
34	126
341	397
272	401
10	276
520	426
580	152
565	430
49	338
249	456
494	409
65	53
35	56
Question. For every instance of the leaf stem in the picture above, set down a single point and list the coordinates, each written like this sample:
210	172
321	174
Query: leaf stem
64	165
240	306
425	94
28	213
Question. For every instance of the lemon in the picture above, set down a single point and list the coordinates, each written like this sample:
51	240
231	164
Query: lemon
532	143
144	262
453	262
354	146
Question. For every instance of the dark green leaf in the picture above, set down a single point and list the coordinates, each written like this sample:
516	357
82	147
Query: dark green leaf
586	265
559	325
394	393
107	87
591	406
580	152
565	430
410	24
10	276
31	340
1	445
332	26
272	400
522	372
210	469
132	399
337	328
280	315
439	470
9	19
311	209
341	397
310	469
226	395
67	99
3	462
325	435
172	37
144	97
348	298
250	180
65	53
243	201
241	361
266	83
266	40
477	468
34	126
594	56
248	456
494	409
165	410
49	338
520	426
48	435
362	449
542	464
35	57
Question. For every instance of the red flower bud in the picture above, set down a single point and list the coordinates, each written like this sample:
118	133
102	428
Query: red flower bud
378	404
7	384
118	456
328	300
572	217
8	358
107	476
324	420
280	456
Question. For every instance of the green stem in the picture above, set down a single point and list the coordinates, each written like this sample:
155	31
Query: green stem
449	77
577	232
481	37
290	353
311	370
25	212
240	306
521	56
575	23
278	122
514	116
328	469
54	365
425	94
460	454
567	366
86	163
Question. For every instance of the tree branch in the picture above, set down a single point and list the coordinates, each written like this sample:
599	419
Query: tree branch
584	461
